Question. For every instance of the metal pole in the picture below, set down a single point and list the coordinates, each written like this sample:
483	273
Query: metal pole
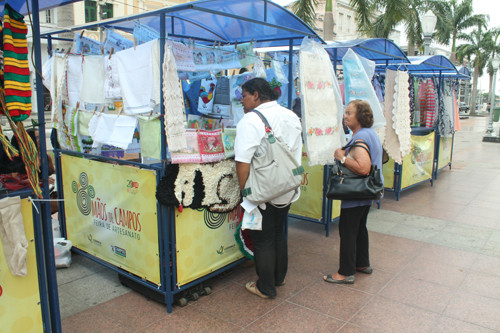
427	45
53	296
490	130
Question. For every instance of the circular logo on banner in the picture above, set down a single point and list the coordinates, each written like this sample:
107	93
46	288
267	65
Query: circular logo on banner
214	220
84	192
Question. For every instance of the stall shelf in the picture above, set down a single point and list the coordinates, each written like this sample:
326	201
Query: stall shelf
87	179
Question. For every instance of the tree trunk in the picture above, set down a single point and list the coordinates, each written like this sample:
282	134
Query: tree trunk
474	92
328	22
411	49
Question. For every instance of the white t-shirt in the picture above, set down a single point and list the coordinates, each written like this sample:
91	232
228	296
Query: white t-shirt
251	136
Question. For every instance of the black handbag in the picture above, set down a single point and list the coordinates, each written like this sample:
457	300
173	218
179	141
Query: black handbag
343	184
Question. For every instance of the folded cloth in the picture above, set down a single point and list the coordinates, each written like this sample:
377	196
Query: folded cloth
93	80
15	244
74	79
135	72
112	129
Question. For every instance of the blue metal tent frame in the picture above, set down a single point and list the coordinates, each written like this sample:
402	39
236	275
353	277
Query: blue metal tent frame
207	21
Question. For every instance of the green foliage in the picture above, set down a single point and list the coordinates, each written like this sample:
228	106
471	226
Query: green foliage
306	11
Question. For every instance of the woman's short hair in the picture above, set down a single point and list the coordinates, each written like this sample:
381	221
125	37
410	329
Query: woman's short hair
260	85
364	113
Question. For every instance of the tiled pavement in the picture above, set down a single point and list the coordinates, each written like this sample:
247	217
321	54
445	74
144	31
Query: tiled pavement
435	254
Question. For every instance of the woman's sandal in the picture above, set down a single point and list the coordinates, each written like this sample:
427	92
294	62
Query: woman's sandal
348	280
252	287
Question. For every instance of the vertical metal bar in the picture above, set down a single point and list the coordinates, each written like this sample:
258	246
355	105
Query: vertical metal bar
42	271
49	44
290	73
45	211
162	108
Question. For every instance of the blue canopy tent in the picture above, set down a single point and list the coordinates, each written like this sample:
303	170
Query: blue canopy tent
207	22
380	50
226	22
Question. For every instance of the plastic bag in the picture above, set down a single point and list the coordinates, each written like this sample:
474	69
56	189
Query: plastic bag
358	86
62	252
252	220
259	69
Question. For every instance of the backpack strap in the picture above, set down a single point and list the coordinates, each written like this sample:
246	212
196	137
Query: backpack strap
268	129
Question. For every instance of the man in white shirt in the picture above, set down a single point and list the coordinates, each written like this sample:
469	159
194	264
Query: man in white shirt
270	243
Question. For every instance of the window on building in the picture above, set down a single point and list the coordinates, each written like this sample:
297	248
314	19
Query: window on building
348	23
48	16
90	11
341	20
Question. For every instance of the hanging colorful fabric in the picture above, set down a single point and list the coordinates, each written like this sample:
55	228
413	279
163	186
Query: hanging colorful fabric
16	69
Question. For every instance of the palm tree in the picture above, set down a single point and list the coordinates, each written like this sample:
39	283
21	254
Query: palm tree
494	51
306	11
393	12
328	21
478	42
454	16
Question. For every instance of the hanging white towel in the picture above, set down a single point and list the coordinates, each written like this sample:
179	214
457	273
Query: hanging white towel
135	72
391	142
74	79
112	129
156	63
57	82
93	80
15	244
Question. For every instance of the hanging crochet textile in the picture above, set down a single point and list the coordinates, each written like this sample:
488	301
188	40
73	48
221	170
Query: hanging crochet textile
445	119
397	141
16	69
173	102
321	103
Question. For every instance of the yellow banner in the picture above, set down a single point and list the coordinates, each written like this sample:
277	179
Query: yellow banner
445	148
335	208
204	242
311	191
388	173
417	166
111	214
20	309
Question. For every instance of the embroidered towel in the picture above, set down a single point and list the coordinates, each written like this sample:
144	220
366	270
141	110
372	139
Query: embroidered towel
210	146
321	103
191	154
74	79
235	84
83	122
401	113
228	136
135	72
112	88
93	80
206	100
150	132
173	103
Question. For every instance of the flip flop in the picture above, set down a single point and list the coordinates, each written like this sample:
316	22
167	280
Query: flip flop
365	270
347	280
252	287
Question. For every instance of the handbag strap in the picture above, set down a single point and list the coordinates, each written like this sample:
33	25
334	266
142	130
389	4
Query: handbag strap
269	130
